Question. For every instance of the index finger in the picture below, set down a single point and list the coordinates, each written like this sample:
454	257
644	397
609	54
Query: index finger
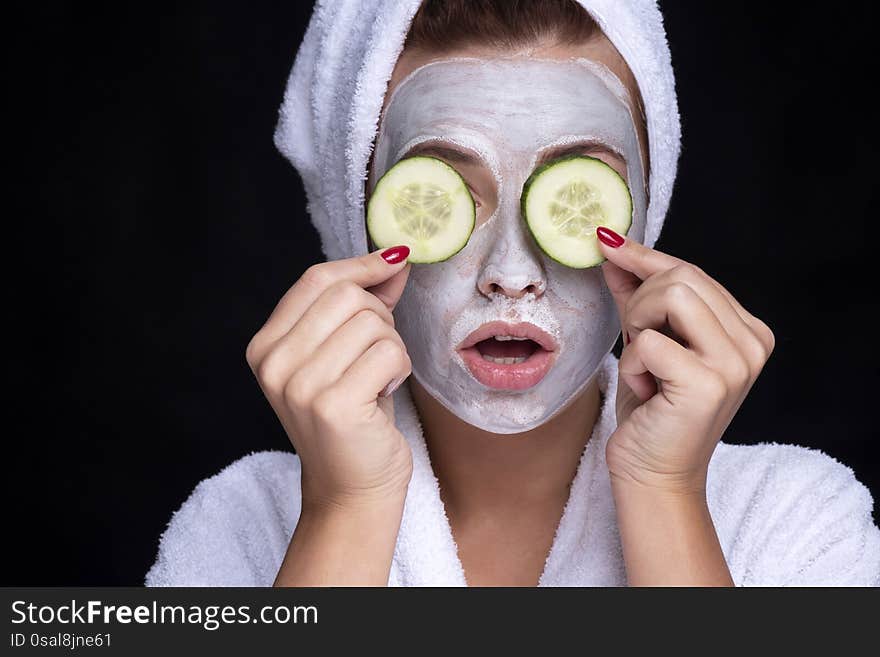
641	260
627	265
631	262
367	270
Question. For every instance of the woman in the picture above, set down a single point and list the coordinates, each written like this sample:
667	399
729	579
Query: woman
477	470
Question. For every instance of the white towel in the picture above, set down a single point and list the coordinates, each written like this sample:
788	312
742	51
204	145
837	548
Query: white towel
330	113
785	515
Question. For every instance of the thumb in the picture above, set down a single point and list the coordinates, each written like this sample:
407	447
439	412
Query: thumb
622	284
390	290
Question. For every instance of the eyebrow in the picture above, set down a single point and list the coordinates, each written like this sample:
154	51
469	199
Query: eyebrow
446	152
578	147
453	154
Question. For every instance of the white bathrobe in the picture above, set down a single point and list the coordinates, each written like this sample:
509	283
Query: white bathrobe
784	514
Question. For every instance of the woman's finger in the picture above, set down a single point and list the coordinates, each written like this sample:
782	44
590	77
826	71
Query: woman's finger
365	271
327	364
338	304
627	265
385	361
652	354
645	262
759	329
742	334
679	305
622	285
634	257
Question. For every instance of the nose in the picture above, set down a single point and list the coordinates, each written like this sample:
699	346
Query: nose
513	264
514	285
512	268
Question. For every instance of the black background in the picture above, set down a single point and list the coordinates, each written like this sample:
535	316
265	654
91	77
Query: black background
155	227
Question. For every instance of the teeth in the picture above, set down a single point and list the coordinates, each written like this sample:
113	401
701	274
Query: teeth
509	360
505	338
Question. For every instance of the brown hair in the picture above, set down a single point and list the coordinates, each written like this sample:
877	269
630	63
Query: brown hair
444	25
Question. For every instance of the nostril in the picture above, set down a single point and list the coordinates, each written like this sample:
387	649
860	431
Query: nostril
495	288
491	283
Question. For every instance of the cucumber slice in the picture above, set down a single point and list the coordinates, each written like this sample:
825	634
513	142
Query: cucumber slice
564	201
424	203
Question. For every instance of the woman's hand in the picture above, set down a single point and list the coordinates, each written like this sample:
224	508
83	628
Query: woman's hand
323	360
705	351
691	354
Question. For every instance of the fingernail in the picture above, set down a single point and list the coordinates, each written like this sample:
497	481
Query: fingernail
391	387
396	254
609	237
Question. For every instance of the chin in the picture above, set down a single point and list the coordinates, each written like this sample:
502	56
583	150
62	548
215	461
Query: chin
502	412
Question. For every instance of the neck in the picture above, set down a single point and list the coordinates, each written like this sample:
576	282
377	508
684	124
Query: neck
479	469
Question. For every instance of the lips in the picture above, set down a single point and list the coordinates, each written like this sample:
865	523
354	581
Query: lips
515	364
520	330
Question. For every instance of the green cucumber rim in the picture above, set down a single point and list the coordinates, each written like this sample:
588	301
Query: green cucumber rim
464	184
541	169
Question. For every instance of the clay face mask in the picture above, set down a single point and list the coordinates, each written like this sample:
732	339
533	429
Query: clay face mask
509	112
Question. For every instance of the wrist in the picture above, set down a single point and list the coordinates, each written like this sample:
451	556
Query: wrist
671	486
668	536
658	497
352	503
342	542
319	498
353	527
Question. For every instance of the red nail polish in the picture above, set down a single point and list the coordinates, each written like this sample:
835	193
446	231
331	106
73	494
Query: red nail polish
396	254
609	237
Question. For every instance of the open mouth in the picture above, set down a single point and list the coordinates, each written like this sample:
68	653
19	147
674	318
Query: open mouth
508	357
507	350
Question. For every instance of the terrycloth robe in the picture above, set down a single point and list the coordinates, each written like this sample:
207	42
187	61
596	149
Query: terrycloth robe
785	516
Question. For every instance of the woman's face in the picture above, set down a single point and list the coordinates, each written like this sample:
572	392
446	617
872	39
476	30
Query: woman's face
495	120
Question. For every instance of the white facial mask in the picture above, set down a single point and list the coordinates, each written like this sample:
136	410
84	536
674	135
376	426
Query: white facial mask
508	110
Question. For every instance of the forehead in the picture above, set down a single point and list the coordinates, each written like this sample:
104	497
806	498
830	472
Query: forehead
514	100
